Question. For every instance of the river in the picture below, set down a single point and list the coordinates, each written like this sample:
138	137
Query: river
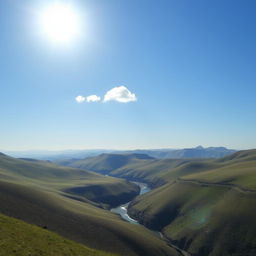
122	209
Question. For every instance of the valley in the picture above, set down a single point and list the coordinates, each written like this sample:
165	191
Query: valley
122	209
185	206
192	198
34	192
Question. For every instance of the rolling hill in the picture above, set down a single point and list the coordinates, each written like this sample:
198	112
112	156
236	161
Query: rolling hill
105	163
21	239
80	184
139	167
207	207
204	206
35	192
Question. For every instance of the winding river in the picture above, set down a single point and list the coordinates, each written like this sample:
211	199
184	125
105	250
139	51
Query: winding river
122	209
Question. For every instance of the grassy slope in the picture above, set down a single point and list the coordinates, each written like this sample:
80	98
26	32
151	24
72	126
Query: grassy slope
41	170
78	221
39	201
18	238
105	193
140	167
228	170
206	219
105	163
160	172
239	169
81	183
133	166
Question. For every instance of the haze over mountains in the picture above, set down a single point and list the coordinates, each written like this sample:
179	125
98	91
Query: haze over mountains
197	152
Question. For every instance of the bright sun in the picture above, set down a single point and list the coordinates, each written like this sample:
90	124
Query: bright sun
60	23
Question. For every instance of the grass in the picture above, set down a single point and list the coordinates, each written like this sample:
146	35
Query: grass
35	193
202	207
153	171
212	221
108	191
238	169
105	163
79	221
241	174
18	238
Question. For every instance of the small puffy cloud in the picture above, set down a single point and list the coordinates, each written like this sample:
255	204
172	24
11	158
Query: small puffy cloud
92	98
80	99
120	94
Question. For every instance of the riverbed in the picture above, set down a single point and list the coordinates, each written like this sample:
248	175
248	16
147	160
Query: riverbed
122	209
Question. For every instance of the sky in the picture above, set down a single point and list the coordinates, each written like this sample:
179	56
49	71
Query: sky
149	73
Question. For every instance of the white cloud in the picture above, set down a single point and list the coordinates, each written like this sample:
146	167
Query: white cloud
80	99
92	98
120	94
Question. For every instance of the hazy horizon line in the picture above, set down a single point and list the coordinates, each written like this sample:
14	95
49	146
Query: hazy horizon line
116	149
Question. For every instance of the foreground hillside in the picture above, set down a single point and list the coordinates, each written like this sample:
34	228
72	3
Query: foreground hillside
35	192
21	239
207	210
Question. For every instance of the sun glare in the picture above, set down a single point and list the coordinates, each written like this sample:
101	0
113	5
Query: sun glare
60	22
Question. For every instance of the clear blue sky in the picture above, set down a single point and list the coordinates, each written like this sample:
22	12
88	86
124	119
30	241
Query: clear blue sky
191	65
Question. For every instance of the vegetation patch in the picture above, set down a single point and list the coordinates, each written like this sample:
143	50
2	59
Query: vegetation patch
18	238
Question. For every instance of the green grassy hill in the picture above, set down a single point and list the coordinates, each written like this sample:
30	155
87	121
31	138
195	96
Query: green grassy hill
207	207
228	170
80	184
18	238
141	167
237	170
204	206
38	170
35	191
157	172
105	163
133	166
79	221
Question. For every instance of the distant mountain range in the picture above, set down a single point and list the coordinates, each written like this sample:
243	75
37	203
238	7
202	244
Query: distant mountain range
56	155
197	152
